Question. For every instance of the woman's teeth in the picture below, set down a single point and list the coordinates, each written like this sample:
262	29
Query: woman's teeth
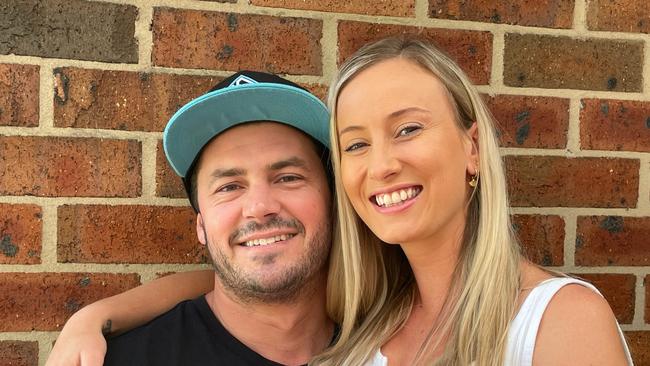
396	197
267	241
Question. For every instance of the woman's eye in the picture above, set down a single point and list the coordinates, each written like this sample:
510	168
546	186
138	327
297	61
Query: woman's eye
355	146
408	130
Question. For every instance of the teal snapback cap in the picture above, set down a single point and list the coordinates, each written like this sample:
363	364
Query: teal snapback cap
246	96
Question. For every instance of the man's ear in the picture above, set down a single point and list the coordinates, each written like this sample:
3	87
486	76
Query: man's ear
473	150
200	229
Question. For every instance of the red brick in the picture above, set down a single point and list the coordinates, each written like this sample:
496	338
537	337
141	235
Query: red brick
550	181
542	61
541	238
472	50
43	301
128	234
536	13
398	8
613	241
18	353
211	40
615	125
618	15
19	95
61	166
533	122
70	29
319	90
618	289
639	343
168	184
646	284
20	234
122	100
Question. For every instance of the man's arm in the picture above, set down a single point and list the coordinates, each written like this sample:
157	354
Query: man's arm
81	342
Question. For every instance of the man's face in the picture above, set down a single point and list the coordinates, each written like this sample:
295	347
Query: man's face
264	211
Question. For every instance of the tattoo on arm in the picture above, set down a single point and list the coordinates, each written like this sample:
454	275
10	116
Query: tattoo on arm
106	328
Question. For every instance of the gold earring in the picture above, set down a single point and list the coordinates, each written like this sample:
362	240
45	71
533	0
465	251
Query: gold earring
473	182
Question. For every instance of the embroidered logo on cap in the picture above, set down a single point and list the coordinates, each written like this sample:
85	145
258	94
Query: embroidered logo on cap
242	79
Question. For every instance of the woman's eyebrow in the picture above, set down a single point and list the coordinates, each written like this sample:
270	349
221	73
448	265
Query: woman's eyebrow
401	112
350	129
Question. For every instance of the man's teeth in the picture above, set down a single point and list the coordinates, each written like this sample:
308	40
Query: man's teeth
267	241
397	197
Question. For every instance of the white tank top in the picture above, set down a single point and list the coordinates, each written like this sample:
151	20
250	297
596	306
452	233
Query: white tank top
523	329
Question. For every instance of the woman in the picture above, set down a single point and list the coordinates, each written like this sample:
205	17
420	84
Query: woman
430	269
407	119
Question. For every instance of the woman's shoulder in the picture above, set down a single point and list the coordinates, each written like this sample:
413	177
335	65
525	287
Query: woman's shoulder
578	327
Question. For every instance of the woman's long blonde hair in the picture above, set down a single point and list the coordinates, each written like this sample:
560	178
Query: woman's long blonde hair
371	287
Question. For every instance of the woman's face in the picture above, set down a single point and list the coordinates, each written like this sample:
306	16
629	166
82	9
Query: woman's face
404	160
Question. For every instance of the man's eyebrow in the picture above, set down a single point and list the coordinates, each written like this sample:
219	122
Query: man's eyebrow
225	173
293	161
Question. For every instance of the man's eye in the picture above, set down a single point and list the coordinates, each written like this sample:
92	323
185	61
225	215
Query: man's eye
355	146
288	178
408	130
228	188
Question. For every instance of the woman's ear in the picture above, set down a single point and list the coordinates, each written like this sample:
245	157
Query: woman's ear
200	229
473	150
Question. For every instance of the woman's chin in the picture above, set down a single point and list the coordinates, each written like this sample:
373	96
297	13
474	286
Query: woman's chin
394	238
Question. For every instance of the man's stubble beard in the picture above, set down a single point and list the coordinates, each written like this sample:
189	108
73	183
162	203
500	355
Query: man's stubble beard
297	279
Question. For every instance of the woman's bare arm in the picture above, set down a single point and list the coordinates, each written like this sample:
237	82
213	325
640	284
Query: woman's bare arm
579	328
81	342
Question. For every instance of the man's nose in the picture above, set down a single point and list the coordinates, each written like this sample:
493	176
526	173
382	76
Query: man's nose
260	203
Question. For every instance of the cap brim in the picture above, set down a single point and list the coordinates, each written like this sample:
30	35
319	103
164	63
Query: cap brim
196	123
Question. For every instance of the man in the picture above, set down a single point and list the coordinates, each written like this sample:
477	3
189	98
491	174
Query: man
252	155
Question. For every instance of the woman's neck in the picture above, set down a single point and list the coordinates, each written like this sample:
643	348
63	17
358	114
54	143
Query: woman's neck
433	262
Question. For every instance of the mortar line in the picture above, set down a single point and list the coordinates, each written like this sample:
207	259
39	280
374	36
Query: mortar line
421	9
570	234
45	96
107	201
562	93
644	184
45	344
329	49
646	67
149	166
580	15
144	35
630	327
514	151
639	301
498	59
49	239
580	211
99	268
573	131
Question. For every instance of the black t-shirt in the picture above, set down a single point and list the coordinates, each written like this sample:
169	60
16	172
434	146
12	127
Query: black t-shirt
189	334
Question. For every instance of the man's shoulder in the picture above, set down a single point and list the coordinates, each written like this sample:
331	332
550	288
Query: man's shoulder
188	334
165	338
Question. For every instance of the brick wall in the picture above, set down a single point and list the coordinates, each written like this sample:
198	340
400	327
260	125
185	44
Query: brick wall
88	206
